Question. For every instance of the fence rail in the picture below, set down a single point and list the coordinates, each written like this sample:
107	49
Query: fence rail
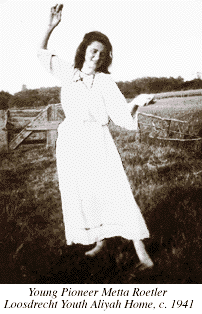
160	118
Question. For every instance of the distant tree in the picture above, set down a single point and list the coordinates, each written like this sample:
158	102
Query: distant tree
53	101
17	102
51	93
148	85
194	84
4	100
36	97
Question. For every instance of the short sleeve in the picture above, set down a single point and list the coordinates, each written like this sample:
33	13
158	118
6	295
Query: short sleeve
54	65
116	104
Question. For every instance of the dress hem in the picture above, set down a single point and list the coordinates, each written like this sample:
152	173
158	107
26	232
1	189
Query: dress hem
90	236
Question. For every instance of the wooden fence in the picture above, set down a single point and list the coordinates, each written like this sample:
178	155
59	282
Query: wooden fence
42	124
20	126
167	132
164	127
3	132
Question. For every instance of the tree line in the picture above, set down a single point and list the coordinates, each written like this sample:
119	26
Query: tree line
154	85
30	98
147	85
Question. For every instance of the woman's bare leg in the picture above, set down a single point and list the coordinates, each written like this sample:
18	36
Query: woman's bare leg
139	247
142	254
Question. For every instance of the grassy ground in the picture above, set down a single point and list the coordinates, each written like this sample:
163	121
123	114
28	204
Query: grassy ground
166	183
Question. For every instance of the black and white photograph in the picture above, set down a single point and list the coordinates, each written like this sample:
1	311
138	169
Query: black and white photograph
101	146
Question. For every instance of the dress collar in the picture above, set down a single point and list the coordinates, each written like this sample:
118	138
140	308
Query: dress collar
86	79
76	75
79	75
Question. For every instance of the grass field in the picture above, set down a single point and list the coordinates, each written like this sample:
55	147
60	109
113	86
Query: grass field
166	183
183	93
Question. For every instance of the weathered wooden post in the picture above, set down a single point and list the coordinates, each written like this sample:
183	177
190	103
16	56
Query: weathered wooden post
188	132
3	132
51	134
168	128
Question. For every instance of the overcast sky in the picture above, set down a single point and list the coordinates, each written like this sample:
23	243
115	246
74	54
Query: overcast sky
149	38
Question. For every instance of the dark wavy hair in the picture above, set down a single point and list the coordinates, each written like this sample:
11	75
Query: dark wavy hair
87	40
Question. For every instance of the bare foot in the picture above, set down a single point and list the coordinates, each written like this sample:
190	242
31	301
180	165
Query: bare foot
146	264
96	249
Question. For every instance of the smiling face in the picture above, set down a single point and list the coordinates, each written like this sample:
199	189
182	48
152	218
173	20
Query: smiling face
95	55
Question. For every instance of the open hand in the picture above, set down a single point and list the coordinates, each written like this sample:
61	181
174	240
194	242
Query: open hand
55	15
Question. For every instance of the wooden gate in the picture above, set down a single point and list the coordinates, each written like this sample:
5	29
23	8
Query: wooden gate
47	120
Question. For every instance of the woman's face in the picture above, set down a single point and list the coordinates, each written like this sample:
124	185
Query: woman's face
95	55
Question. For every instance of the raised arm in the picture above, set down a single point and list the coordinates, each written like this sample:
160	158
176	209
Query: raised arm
50	61
55	18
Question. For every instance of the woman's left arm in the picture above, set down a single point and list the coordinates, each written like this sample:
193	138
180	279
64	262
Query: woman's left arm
116	105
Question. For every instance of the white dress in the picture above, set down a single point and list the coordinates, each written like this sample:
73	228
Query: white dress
97	199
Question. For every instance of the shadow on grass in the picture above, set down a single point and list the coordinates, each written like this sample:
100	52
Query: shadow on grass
115	265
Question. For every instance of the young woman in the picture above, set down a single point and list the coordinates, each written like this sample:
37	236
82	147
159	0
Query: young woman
97	200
